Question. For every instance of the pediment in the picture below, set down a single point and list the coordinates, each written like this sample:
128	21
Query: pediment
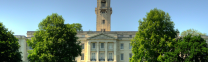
101	36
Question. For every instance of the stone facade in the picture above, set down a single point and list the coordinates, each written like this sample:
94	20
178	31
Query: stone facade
109	45
23	46
115	44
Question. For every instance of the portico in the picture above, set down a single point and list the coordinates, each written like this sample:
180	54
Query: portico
101	47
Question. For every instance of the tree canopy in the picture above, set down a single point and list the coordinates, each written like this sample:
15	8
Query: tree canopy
9	46
188	49
55	41
192	31
154	37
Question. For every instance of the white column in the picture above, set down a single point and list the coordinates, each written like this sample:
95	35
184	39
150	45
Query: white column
114	54
25	50
106	59
97	58
88	51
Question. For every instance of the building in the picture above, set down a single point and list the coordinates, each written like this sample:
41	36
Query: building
23	46
102	45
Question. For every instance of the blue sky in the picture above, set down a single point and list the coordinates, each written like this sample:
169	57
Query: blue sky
21	16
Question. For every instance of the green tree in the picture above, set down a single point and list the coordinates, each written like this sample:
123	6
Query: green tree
55	41
154	37
192	31
188	49
9	46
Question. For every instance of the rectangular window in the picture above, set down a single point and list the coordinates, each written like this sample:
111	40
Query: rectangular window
93	45
110	56
130	46
30	47
82	57
130	36
121	35
102	45
93	56
103	4
73	58
101	55
103	21
103	30
82	46
122	46
130	55
83	35
110	46
122	56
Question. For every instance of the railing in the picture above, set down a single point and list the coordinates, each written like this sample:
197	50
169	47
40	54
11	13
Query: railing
101	59
92	59
110	59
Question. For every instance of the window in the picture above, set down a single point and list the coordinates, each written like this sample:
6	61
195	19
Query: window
93	56
93	45
83	35
121	56
102	11
102	55
130	36
121	35
82	57
103	30
103	4
30	47
82	46
73	58
130	46
102	45
122	46
110	46
130	55
103	21
110	56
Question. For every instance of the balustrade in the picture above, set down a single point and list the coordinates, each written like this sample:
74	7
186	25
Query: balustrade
92	59
110	59
101	59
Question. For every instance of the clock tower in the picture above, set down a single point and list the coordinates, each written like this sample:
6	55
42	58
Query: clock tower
103	15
